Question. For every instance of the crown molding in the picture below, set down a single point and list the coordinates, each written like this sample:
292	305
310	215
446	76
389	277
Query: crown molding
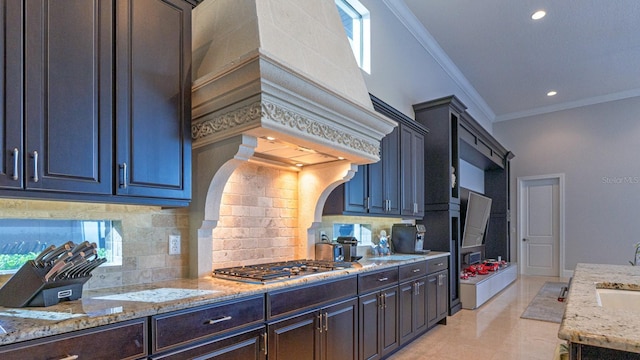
428	42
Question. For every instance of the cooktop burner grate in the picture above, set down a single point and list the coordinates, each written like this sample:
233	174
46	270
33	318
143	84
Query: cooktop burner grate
278	271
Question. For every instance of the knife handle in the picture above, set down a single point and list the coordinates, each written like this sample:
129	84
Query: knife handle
44	252
70	357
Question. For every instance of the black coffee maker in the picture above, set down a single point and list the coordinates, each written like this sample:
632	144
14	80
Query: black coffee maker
408	238
350	246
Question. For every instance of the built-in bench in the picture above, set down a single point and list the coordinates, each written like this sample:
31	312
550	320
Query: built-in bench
477	290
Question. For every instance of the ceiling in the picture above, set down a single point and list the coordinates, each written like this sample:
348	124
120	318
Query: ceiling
586	50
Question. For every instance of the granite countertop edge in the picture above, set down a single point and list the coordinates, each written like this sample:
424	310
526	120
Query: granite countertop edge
586	322
91	311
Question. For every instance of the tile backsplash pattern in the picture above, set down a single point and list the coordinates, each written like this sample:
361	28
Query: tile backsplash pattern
258	217
146	230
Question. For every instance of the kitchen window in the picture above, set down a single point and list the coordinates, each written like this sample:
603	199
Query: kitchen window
22	240
356	21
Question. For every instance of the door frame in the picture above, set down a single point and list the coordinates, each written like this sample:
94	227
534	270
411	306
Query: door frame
522	180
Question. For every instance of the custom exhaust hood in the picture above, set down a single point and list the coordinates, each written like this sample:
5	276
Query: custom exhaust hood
275	82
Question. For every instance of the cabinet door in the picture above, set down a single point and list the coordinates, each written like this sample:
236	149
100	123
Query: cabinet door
375	174
389	327
295	338
442	296
369	334
405	311
420	306
418	172
407	205
68	92
432	299
11	152
391	171
341	331
438	299
355	192
153	60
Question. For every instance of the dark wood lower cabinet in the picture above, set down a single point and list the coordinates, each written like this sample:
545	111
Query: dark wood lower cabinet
378	323
326	334
437	303
248	345
127	340
412	309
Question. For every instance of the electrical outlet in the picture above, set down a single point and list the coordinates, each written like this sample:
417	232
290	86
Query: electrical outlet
174	244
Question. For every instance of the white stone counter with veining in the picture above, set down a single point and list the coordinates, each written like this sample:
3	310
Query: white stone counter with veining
586	322
108	306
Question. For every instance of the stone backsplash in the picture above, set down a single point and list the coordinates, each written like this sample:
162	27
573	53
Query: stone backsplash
258	217
145	235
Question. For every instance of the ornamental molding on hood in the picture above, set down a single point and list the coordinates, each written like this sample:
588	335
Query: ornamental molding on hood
293	121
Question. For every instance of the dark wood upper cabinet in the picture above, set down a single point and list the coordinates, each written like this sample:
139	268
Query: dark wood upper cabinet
153	62
96	100
68	87
11	120
393	186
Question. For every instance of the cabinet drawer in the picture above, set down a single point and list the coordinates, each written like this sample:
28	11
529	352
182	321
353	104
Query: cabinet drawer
437	264
307	297
182	327
249	344
126	340
414	270
377	280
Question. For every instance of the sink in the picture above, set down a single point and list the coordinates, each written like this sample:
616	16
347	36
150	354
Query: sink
618	299
395	257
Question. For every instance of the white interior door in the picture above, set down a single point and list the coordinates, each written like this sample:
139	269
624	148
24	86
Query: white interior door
540	226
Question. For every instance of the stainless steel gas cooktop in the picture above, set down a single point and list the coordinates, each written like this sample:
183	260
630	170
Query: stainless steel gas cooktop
278	271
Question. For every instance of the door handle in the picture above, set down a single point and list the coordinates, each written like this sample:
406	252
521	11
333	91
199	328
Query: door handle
524	239
16	153
123	167
36	178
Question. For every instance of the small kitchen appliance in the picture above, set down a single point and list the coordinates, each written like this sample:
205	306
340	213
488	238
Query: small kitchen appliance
329	251
350	247
408	238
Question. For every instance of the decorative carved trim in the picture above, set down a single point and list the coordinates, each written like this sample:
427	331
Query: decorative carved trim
230	120
278	114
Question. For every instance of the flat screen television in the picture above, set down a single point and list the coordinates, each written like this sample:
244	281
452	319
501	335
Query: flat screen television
476	220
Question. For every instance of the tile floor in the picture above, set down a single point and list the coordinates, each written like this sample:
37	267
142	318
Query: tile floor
495	331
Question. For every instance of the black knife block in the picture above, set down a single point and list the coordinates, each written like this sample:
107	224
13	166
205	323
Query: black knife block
27	287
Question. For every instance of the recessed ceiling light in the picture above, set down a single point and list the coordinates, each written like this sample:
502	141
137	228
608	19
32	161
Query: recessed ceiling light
270	138
552	93
538	14
299	165
340	158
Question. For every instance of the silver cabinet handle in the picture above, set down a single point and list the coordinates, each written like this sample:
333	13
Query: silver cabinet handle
70	357
415	270
123	184
383	279
215	321
326	321
36	178
264	340
16	153
320	323
368	203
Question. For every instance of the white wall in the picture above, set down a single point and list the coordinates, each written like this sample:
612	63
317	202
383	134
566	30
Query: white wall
598	149
403	73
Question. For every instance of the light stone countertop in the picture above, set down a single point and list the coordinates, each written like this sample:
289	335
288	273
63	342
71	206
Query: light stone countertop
108	306
588	323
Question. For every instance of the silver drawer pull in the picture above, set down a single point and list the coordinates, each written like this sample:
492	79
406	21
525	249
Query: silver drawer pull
215	321
383	279
70	357
440	264
416	270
